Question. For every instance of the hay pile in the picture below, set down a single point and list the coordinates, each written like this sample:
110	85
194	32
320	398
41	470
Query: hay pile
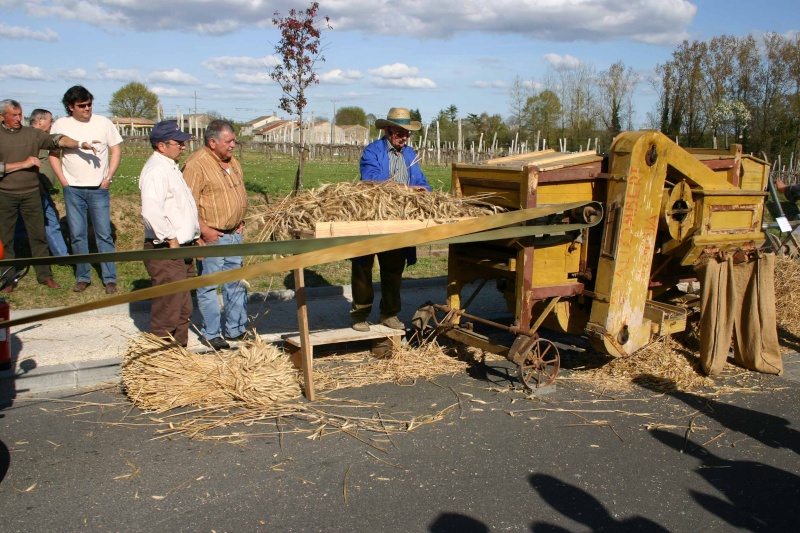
408	364
361	200
159	376
787	294
664	366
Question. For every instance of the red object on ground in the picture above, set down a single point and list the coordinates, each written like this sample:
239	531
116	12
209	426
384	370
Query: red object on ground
2	251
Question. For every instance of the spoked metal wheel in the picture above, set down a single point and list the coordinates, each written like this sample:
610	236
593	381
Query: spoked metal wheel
538	361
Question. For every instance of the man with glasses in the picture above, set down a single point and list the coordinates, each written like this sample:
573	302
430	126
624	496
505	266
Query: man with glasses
170	221
387	159
215	177
86	177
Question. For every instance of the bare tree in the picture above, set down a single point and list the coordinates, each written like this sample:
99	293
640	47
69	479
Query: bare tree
616	88
518	96
300	49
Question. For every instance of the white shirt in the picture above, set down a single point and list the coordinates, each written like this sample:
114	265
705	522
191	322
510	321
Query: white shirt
81	167
168	208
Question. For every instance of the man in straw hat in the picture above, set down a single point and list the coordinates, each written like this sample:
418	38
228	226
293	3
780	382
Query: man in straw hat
387	159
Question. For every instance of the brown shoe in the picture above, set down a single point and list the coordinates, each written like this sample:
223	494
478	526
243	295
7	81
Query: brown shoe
80	286
360	326
51	284
393	322
111	288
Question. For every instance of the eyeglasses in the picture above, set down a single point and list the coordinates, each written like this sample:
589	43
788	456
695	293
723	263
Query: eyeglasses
83	106
400	133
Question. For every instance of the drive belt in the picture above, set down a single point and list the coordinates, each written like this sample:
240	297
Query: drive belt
306	253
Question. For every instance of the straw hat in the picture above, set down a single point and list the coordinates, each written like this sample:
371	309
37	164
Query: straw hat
400	117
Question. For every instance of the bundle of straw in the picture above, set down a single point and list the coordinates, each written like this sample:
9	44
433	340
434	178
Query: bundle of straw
159	375
362	200
787	294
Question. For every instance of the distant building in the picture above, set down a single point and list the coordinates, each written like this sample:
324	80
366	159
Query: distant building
356	135
277	131
133	126
250	127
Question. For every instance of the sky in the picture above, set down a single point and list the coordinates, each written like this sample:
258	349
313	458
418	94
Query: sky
214	55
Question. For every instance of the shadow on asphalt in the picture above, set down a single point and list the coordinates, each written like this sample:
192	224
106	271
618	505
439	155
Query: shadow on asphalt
757	496
580	506
457	523
769	430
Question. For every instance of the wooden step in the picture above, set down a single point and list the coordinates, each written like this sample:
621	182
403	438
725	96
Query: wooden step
384	340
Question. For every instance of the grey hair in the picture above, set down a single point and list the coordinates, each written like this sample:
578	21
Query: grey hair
8	102
215	130
38	114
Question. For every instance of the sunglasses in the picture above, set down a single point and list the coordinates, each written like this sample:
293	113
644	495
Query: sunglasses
83	106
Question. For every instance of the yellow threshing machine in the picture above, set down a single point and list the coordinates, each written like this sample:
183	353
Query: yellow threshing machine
664	210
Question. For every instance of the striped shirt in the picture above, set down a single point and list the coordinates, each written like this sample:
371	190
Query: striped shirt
219	194
397	165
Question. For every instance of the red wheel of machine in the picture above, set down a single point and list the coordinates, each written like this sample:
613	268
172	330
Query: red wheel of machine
538	361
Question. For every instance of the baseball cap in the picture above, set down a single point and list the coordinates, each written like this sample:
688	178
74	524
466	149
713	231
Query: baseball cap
168	131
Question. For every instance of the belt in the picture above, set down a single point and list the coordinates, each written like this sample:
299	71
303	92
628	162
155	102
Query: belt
165	244
86	187
227	231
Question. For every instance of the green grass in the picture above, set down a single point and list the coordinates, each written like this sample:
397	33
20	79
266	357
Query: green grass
266	179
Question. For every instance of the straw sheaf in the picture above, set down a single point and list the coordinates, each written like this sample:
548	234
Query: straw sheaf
362	200
159	376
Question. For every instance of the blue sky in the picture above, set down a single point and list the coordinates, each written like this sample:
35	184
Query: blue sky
379	54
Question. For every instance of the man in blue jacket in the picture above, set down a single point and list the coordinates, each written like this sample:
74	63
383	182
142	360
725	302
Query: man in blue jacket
387	159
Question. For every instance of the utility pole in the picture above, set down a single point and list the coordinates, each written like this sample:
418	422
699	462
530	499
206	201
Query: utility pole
333	120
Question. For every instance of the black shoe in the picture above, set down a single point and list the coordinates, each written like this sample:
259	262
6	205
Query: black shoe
218	343
237	338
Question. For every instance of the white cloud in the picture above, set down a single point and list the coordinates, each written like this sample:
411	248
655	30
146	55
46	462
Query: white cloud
340	77
408	83
252	78
18	32
395	70
22	72
496	84
650	21
222	64
559	62
73	74
174	75
117	74
400	75
166	91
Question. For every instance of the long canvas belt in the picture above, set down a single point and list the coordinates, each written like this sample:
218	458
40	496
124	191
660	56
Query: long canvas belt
307	253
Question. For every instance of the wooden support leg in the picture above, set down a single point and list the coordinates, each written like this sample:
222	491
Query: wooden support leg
306	351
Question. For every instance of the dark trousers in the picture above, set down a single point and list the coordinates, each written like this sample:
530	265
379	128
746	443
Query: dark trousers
29	207
171	314
391	266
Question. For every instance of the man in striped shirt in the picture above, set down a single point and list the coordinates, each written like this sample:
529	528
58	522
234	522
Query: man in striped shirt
215	177
387	159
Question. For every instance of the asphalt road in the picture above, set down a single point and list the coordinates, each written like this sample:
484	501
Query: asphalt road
570	460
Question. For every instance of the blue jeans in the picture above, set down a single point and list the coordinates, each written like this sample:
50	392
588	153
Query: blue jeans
52	227
234	294
96	203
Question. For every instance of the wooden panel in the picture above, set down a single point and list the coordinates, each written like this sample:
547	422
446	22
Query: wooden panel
376	227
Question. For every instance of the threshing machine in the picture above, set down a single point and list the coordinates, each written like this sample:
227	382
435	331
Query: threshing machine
665	209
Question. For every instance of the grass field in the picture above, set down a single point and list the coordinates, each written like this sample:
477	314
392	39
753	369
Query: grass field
267	180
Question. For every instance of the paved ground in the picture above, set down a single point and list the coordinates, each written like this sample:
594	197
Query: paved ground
576	459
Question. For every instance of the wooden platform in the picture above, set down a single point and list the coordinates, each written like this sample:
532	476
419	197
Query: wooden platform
384	340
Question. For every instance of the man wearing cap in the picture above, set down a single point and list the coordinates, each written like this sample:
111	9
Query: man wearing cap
170	221
215	177
387	159
86	178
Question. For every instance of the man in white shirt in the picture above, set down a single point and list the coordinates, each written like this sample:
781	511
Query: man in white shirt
86	177
170	221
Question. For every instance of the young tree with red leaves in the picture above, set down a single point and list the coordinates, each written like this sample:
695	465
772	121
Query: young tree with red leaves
300	49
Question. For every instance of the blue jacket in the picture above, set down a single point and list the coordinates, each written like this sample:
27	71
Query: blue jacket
375	167
375	164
